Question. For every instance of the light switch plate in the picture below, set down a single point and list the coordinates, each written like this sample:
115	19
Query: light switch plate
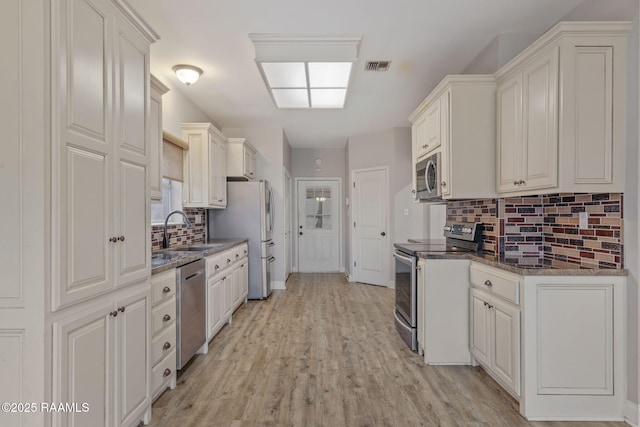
406	211
583	220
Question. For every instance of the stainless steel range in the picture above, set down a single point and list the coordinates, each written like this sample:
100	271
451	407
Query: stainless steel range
460	237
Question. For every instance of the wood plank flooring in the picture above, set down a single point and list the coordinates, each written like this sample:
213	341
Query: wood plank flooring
325	352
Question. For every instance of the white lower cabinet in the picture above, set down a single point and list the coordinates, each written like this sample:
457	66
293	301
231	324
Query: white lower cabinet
227	286
556	343
102	359
495	338
163	327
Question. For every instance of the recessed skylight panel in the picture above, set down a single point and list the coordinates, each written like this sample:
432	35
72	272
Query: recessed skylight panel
329	74
328	98
291	98
285	74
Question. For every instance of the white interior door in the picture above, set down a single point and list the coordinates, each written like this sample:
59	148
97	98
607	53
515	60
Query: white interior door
287	224
318	226
370	244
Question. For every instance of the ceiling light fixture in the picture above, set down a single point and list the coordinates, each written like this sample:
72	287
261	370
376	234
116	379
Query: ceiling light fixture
306	71
187	74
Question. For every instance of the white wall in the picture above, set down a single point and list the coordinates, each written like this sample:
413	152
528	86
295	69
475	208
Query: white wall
392	148
303	165
502	49
178	109
270	146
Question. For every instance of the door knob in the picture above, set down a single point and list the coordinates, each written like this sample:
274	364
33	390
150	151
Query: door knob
383	234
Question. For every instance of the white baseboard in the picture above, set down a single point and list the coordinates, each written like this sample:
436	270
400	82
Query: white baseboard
278	284
632	413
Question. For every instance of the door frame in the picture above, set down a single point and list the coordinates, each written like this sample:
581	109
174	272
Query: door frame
295	264
390	282
288	262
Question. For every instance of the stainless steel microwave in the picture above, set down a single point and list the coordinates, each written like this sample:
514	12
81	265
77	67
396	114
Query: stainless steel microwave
428	179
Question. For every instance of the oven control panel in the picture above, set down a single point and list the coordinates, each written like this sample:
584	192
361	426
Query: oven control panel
469	231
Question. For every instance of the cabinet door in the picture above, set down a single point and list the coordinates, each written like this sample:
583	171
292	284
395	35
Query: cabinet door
214	306
434	126
132	349
246	162
244	288
421	327
221	171
445	146
155	145
214	173
82	151
419	133
506	344
480	327
509	137
82	349
133	223
540	121
229	291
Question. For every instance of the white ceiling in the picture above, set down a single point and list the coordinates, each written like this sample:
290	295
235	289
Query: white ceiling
424	39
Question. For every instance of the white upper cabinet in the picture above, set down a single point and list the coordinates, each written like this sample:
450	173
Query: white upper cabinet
205	166
100	178
457	120
241	160
155	137
561	112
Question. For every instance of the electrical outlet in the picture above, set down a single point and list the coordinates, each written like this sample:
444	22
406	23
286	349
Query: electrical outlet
406	212
583	220
198	219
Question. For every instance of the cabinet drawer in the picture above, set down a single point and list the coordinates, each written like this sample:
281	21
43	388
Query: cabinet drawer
163	371
166	339
163	286
238	253
163	315
227	258
214	264
497	282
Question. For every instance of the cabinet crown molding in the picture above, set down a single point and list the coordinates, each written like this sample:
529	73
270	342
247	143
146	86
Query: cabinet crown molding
158	85
207	126
447	82
137	21
563	29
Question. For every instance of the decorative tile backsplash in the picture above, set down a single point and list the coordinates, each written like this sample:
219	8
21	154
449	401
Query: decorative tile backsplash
180	235
546	228
484	211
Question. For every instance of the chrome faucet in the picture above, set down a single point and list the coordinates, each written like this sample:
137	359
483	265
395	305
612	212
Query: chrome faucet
165	241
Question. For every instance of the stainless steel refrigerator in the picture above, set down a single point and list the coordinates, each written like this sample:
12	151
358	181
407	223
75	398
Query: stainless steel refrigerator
249	214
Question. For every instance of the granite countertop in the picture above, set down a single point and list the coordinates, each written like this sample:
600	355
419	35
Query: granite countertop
169	258
527	266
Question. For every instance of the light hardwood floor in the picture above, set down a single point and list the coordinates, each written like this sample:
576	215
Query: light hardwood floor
326	353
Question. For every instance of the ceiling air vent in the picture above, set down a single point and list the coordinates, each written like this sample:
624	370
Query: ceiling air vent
377	65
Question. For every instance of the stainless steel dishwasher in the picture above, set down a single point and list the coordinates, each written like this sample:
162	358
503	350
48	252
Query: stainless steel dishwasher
191	310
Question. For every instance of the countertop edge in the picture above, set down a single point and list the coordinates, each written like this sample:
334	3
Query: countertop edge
196	255
522	271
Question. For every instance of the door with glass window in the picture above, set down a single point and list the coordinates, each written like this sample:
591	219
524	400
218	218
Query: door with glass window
318	226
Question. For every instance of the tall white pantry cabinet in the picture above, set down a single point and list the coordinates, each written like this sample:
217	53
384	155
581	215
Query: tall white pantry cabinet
75	259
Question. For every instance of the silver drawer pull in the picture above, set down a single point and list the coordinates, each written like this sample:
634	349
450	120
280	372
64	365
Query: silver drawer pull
488	283
217	266
166	290
166	346
237	256
166	318
167	372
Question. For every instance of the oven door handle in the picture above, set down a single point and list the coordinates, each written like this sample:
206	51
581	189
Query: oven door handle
403	258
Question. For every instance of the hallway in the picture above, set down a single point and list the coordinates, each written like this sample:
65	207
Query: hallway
325	353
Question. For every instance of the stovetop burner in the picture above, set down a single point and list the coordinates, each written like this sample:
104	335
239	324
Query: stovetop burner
461	237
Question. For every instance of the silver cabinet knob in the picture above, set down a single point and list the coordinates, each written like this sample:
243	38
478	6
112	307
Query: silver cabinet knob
166	290
167	372
521	182
443	183
113	239
121	238
166	318
114	313
166	346
515	182
488	283
122	309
